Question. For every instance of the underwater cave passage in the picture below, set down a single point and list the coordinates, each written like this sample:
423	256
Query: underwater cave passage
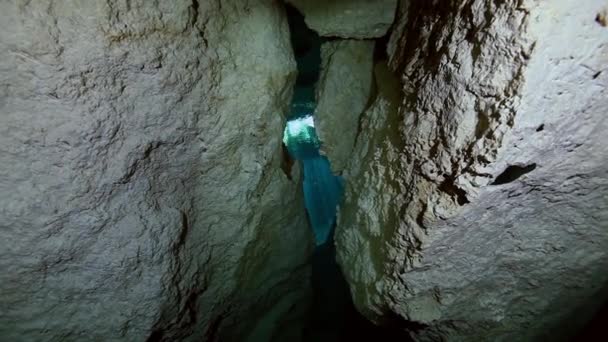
322	189
333	315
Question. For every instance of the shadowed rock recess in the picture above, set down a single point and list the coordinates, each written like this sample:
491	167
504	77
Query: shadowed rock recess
146	195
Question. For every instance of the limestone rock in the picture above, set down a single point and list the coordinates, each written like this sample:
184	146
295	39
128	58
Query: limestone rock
343	91
348	18
376	147
142	194
479	211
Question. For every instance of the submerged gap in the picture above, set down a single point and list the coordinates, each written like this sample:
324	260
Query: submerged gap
322	189
333	315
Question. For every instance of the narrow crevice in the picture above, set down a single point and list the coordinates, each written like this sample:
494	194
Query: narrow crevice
333	314
454	191
286	161
156	336
513	172
322	189
195	7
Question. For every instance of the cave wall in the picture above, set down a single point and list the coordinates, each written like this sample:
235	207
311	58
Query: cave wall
142	195
478	210
343	62
358	19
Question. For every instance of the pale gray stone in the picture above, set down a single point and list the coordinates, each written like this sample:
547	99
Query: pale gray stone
481	213
348	18
342	92
141	189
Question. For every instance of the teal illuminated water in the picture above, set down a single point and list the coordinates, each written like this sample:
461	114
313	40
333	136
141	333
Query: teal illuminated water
322	189
333	316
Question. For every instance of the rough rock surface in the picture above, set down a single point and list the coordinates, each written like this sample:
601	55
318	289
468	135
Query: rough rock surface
348	18
142	196
342	92
479	211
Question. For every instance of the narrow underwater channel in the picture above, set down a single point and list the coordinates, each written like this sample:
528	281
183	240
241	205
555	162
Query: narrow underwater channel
333	315
322	190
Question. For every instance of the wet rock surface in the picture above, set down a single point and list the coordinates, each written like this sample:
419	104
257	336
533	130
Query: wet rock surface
348	18
142	194
478	212
343	92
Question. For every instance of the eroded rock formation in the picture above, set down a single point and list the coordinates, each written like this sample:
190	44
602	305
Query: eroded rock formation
343	92
478	211
142	194
348	18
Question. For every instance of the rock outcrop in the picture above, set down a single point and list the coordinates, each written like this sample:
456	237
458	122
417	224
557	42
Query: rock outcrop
478	211
348	18
142	194
342	92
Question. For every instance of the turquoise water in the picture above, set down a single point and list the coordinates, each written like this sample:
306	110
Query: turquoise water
322	193
333	316
322	189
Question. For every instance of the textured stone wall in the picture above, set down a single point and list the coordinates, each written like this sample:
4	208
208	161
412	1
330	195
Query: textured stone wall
140	181
479	210
343	92
358	19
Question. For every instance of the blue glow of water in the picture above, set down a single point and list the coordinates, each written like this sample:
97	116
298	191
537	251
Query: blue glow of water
322	189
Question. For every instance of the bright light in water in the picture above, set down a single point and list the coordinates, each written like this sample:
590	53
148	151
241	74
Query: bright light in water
301	138
308	121
300	128
322	190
